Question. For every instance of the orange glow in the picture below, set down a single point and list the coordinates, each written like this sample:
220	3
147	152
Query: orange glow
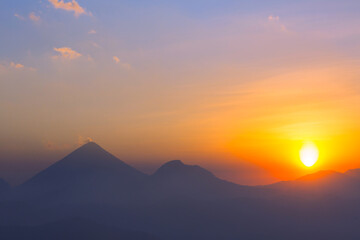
311	104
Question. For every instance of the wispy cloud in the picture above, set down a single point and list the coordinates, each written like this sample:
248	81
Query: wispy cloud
83	140
18	16
273	18
20	66
276	20
72	6
66	53
121	63
116	59
92	31
16	65
94	44
5	67
33	17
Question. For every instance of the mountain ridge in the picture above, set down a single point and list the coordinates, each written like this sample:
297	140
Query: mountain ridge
179	166
89	173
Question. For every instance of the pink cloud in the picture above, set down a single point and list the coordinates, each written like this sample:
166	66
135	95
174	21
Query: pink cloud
13	66
16	65
66	53
273	18
33	17
72	6
122	64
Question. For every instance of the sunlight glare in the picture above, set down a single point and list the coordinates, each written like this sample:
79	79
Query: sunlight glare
309	154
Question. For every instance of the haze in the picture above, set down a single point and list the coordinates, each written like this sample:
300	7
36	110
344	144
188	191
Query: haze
234	86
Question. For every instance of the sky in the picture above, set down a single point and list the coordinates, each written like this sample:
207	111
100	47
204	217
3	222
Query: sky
234	86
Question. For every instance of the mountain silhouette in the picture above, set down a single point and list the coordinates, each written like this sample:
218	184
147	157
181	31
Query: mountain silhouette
175	179
355	173
177	169
89	174
321	184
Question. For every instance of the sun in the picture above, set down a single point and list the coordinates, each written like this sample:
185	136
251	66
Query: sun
309	154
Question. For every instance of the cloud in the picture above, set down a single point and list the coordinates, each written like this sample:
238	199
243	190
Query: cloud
72	6
33	17
19	16
83	140
273	18
12	66
16	65
276	21
92	31
20	66
94	44
122	64
66	53
116	59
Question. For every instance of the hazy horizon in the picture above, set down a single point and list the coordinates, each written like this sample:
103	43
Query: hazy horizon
237	175
234	86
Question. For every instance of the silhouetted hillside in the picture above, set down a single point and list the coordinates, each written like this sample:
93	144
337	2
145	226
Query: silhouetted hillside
321	184
177	169
175	179
355	173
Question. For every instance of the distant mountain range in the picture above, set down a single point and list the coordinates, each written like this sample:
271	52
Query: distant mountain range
323	184
92	175
177	202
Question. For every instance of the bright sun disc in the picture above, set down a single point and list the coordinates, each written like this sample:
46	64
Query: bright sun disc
309	154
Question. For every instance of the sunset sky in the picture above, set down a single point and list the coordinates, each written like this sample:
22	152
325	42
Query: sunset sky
234	86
